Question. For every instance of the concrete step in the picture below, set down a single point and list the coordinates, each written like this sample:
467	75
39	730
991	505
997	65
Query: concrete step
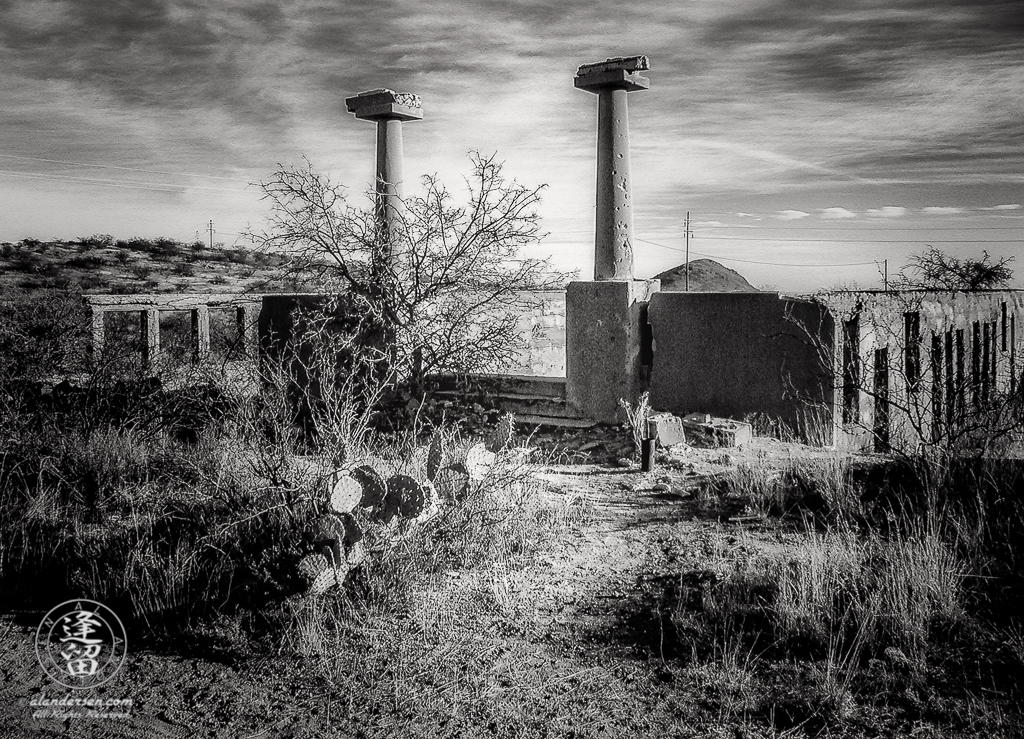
517	403
563	421
533	400
553	387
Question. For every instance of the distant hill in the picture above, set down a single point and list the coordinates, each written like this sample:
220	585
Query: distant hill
706	276
104	265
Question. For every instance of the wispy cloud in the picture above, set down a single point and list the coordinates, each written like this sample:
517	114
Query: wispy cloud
836	213
790	215
941	210
1008	206
887	211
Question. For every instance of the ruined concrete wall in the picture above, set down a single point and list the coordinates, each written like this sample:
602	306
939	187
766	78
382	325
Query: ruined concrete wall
541	328
925	364
543	331
736	354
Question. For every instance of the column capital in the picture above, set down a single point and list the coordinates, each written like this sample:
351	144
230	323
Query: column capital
375	105
621	72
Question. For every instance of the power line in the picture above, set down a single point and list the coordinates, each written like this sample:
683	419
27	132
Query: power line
132	184
870	241
751	261
114	166
869	230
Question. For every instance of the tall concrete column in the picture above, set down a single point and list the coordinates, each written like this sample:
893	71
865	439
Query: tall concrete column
388	109
611	80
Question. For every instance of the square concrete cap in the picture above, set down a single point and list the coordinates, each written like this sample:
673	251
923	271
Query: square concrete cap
380	104
620	72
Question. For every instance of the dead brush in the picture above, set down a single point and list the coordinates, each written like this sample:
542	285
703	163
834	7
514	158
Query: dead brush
636	420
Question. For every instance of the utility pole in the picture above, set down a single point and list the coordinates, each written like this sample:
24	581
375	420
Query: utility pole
885	274
688	233
211	235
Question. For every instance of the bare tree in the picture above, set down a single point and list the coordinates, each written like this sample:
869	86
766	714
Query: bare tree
442	286
936	270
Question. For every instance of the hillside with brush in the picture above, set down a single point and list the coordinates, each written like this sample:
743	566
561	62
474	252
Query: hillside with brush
102	264
706	276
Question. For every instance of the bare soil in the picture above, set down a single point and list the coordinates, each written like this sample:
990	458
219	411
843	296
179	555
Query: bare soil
575	642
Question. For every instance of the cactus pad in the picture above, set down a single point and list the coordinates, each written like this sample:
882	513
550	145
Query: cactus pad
356	554
353	533
327	579
345	491
312	565
328	533
374	488
479	461
320	575
389	507
453	482
326	527
411	497
435	455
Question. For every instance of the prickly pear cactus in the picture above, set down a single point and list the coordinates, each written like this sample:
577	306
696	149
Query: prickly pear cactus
328	538
374	489
389	507
504	432
435	455
312	565
479	460
320	574
452	483
345	490
337	539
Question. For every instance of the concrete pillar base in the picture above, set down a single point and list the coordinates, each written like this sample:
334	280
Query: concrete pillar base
607	345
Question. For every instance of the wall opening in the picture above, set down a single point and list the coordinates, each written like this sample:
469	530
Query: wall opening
937	386
881	421
986	362
1013	354
993	363
976	365
646	357
851	371
912	351
1002	319
961	379
950	381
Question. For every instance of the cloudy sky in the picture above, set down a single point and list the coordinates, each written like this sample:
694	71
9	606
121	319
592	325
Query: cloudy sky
808	140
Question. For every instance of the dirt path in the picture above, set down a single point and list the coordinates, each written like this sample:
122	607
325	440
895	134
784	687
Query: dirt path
570	645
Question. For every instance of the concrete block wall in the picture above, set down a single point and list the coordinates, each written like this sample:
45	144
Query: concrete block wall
736	354
926	362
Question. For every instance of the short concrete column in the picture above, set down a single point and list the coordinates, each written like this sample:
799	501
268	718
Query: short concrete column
246	318
201	332
388	109
149	329
611	80
607	345
98	331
